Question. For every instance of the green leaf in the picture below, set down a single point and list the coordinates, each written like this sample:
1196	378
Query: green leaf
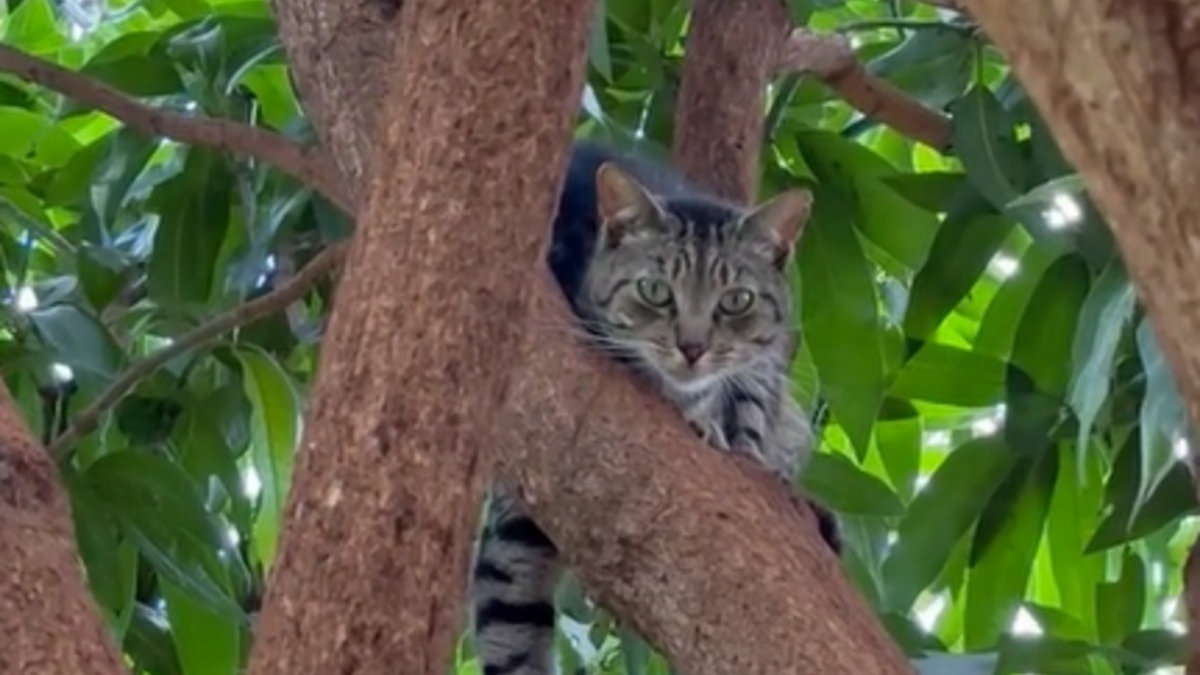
111	563
966	242
1046	334
101	275
1045	194
838	483
149	643
941	514
137	74
598	44
1102	321
1162	415
33	137
124	156
998	329
984	141
847	342
207	642
950	375
162	512
194	207
1004	551
275	432
77	339
1121	604
1173	498
898	437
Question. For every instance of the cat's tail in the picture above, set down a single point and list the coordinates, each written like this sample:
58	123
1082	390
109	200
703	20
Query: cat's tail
512	594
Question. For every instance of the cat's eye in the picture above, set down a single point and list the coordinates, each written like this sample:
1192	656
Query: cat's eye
736	301
654	292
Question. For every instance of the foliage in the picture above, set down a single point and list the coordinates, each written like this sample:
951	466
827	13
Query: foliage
1000	435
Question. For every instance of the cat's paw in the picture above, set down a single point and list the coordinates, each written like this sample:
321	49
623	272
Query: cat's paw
710	432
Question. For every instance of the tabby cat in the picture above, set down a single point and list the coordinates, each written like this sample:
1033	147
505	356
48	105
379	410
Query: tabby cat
691	294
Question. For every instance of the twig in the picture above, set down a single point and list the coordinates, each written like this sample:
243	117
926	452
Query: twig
307	164
831	59
293	289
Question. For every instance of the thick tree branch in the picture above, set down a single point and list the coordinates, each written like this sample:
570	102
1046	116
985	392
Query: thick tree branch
1116	84
719	129
427	322
276	301
43	596
831	59
578	493
706	556
307	164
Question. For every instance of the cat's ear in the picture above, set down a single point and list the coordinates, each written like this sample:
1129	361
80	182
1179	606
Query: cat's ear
624	205
776	223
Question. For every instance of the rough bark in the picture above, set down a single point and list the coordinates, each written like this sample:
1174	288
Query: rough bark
339	52
385	499
1116	84
705	555
733	48
663	579
48	620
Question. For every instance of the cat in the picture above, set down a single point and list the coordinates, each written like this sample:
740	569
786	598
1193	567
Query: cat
691	294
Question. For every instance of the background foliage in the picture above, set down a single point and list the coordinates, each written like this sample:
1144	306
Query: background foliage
999	433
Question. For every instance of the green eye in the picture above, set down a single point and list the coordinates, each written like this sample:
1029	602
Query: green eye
736	301
654	292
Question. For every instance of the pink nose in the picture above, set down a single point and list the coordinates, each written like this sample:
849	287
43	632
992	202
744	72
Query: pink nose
692	351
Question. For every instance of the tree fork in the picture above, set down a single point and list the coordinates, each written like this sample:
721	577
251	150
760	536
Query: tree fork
428	314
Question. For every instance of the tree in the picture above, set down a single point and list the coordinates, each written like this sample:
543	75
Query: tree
1065	513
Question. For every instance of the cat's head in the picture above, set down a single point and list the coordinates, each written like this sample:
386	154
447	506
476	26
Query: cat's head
694	289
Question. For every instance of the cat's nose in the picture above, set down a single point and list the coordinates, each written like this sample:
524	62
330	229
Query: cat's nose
692	351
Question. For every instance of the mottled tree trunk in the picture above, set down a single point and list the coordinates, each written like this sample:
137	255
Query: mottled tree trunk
49	623
457	204
1117	84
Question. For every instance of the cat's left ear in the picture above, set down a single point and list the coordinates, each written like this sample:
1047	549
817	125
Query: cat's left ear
777	223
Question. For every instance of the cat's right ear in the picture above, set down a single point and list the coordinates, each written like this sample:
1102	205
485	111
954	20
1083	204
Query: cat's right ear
624	205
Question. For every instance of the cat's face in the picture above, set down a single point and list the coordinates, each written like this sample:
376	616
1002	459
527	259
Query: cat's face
695	293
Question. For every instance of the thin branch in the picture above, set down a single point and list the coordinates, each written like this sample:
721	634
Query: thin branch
293	289
307	164
831	59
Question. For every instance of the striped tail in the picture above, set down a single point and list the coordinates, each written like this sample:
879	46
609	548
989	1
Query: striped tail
512	593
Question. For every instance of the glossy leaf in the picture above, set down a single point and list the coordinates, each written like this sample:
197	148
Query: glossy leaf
942	513
194	217
984	141
844	337
275	431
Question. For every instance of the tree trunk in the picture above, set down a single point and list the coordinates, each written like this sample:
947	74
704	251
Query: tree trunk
1116	84
733	48
48	620
386	495
583	440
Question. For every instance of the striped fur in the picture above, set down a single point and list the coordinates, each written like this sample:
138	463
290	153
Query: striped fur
650	266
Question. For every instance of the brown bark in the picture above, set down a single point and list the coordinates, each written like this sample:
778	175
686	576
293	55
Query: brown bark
830	58
732	51
48	619
339	53
1116	84
706	556
383	508
590	443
